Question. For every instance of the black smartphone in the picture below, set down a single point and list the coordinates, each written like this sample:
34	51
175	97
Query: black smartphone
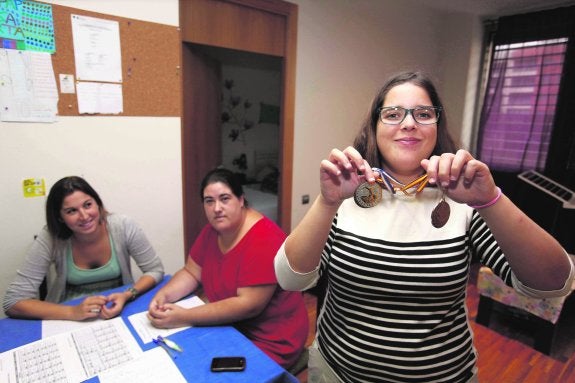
228	363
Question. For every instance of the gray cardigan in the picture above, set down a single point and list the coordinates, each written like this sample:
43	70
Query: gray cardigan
47	258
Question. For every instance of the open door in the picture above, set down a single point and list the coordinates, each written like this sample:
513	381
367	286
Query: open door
265	27
200	132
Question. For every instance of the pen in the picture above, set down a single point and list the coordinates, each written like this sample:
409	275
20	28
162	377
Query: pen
165	347
170	343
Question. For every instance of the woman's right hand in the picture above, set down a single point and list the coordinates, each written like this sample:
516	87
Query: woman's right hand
157	304
341	173
89	308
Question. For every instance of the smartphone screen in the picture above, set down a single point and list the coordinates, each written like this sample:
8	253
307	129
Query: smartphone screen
228	363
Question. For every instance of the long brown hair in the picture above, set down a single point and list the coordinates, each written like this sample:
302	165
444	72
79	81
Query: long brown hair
366	142
61	189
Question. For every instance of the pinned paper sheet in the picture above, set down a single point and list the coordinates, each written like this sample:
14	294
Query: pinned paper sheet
67	83
28	91
97	49
97	97
34	187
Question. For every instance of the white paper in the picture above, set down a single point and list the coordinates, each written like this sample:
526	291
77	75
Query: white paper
67	83
147	332
53	359
96	97
54	327
97	51
73	356
28	91
139	370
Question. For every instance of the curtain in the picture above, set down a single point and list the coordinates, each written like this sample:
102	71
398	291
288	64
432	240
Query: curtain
532	125
519	108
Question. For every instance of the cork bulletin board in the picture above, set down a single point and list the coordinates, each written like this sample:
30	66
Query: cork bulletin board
151	57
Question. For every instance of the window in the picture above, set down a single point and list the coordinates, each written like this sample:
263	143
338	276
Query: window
520	104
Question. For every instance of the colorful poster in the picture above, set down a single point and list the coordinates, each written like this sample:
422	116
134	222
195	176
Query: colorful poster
26	25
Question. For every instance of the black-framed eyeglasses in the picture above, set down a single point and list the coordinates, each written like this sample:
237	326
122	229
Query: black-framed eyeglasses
425	115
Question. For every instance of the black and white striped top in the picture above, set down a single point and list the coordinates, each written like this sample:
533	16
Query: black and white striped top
395	305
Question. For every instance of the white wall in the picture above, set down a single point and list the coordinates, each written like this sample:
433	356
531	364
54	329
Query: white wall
461	55
156	11
346	50
133	162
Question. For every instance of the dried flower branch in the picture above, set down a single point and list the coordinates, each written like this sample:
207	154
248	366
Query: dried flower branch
233	114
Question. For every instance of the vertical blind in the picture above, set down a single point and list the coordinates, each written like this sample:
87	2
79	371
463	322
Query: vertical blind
520	103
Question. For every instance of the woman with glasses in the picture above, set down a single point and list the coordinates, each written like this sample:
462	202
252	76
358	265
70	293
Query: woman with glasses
398	218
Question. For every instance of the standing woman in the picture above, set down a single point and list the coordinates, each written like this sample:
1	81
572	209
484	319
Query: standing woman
232	259
90	251
396	252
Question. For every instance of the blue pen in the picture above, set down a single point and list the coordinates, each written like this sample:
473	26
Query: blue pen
165	347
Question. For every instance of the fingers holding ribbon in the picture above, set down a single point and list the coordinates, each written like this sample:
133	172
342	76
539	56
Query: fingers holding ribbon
462	177
445	169
347	160
341	173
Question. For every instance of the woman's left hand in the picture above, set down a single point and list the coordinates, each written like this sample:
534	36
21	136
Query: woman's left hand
463	178
171	316
116	302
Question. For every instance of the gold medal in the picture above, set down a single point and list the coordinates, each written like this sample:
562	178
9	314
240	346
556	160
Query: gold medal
368	195
440	214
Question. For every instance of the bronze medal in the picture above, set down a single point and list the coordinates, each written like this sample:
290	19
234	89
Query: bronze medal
368	195
440	215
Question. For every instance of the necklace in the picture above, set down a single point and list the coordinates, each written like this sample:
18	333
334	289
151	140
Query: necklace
369	195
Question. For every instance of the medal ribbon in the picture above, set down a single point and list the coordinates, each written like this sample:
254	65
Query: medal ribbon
388	182
366	197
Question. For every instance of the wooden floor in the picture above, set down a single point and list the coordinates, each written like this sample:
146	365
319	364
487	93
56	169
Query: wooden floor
502	359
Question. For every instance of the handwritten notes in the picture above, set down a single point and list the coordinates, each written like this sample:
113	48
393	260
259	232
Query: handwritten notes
28	91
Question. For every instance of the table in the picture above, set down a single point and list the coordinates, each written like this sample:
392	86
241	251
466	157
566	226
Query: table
200	345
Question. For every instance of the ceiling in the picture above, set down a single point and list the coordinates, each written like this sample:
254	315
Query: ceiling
491	8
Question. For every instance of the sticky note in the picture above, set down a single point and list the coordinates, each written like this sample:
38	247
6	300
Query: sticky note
34	187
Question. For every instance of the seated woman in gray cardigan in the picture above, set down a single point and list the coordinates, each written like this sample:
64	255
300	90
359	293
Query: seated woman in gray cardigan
90	252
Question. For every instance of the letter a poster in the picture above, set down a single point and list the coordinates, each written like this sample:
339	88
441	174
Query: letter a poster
26	25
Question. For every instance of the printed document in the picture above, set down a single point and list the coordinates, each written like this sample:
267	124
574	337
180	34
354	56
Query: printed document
147	332
71	357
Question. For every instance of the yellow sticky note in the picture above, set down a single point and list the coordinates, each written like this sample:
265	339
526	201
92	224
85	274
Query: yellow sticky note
34	187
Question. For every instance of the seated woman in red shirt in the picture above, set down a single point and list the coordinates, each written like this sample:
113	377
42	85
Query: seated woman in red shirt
232	259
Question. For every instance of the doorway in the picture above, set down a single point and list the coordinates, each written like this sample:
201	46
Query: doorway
249	134
220	37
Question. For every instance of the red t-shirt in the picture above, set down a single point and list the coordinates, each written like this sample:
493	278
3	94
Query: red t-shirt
282	328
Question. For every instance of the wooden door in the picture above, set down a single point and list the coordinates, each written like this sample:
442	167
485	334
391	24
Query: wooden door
259	26
200	133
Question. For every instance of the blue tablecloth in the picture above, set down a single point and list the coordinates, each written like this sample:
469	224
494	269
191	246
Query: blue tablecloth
200	345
